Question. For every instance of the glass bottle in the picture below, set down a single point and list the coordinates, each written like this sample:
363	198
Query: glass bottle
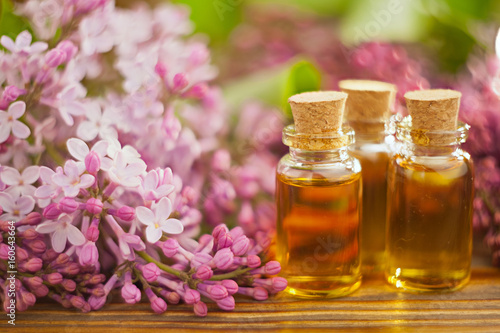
318	195
373	150
430	194
368	108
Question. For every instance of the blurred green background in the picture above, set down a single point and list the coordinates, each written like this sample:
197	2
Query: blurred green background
451	27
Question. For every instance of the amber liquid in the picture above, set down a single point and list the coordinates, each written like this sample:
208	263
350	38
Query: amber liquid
429	240
318	235
374	164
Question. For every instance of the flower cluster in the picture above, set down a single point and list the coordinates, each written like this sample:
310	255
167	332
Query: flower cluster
480	105
110	152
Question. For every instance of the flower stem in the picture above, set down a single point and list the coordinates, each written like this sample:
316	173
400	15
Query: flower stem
230	275
164	267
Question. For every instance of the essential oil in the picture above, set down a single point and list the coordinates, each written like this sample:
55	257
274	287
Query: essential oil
430	194
318	197
368	110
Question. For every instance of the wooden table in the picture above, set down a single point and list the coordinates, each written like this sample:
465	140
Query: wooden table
375	307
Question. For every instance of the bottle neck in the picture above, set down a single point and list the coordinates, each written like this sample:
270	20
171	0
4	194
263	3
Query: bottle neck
412	148
319	157
369	132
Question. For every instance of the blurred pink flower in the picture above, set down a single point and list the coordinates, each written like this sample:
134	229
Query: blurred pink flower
9	122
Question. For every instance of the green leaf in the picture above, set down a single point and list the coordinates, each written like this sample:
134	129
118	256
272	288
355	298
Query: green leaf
383	20
303	76
274	86
216	18
11	24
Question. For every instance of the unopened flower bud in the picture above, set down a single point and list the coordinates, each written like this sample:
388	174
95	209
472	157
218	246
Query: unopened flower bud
279	283
224	241
260	294
69	285
272	268
68	205
170	247
11	93
32	265
223	259
161	69
217	292
126	213
89	256
94	206
240	245
51	212
231	286
130	293
200	309
68	48
150	272
191	296
54	278
180	82
32	218
37	246
40	291
219	230
55	57
158	305
92	162
204	272
253	261
92	234
226	304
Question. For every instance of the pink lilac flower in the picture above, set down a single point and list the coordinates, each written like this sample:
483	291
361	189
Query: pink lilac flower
157	184
126	174
79	150
22	46
158	222
15	208
98	123
73	179
69	103
62	231
20	184
49	190
9	122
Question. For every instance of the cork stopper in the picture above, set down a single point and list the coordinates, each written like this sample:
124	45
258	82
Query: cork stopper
368	101
318	112
433	109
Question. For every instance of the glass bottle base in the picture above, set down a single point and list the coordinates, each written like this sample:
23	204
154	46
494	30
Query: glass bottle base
322	287
422	281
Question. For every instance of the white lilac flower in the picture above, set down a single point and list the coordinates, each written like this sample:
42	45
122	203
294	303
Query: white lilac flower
22	45
157	184
158	222
72	180
62	231
48	190
15	209
126	174
20	183
9	122
98	123
70	102
79	150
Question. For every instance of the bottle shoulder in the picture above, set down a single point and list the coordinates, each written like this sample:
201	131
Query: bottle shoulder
459	160
340	170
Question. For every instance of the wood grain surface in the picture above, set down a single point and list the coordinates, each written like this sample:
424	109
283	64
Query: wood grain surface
375	307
